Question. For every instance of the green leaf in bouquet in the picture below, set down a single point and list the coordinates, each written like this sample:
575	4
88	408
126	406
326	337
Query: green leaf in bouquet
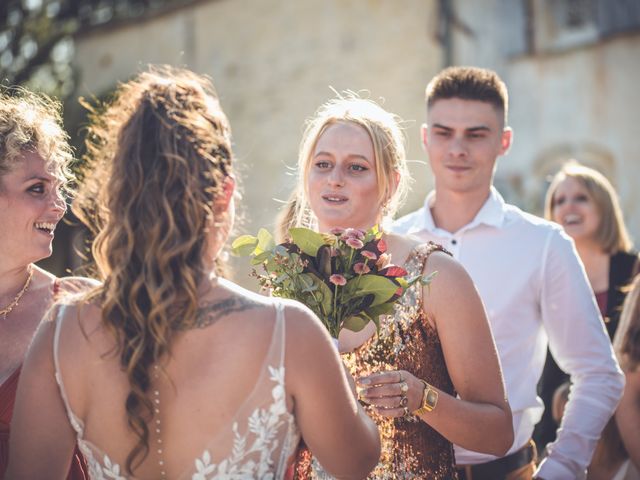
375	318
261	258
357	322
381	287
426	279
382	309
270	264
326	295
307	240
308	285
282	279
373	233
296	262
265	241
244	245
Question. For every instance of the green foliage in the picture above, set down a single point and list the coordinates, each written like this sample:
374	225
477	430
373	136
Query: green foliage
37	37
345	277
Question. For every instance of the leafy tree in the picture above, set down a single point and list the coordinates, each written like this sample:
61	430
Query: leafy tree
36	37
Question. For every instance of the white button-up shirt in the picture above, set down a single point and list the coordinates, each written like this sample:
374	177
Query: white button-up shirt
536	292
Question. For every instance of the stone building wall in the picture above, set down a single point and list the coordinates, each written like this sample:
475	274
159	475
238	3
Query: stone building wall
273	63
573	82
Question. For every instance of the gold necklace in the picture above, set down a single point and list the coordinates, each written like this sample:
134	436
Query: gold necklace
7	310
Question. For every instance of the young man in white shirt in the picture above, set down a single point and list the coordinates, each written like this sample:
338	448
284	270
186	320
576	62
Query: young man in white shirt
529	276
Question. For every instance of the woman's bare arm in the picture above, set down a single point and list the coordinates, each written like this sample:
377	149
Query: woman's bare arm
334	426
42	440
480	419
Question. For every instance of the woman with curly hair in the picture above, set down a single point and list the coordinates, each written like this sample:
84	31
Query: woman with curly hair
167	370
34	161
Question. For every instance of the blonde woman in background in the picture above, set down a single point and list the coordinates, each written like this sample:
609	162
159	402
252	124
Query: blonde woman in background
585	203
167	371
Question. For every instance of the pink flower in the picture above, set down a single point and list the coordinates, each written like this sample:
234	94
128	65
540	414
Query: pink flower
359	234
368	254
352	233
338	279
361	268
354	242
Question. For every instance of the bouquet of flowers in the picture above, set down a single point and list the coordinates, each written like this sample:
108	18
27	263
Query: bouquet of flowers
344	276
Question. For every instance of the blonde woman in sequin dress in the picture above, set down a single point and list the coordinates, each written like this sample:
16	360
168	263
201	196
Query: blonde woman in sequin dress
166	371
352	172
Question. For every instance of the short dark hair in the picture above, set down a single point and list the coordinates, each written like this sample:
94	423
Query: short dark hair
469	83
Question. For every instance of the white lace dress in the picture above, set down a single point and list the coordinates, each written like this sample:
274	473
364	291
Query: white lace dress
264	433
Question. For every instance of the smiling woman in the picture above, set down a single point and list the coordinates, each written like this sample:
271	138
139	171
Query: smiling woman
31	205
586	205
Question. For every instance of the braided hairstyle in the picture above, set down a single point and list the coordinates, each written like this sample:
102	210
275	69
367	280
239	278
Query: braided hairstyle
158	157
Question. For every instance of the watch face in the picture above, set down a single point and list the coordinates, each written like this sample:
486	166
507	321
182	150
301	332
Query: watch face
431	398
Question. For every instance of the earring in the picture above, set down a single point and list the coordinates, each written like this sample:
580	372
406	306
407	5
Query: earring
385	209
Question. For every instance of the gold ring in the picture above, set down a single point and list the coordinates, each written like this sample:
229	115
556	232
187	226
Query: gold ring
406	412
404	388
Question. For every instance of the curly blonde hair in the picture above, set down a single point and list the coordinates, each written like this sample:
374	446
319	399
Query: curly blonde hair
159	154
386	137
31	122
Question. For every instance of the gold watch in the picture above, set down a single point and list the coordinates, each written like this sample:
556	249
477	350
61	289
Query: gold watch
429	399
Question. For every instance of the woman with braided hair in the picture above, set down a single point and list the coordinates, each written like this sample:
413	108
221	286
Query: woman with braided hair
167	370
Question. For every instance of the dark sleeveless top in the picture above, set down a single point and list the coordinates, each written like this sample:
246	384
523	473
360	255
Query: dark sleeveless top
623	266
411	449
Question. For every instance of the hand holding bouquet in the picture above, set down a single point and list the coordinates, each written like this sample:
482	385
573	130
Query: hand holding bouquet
344	276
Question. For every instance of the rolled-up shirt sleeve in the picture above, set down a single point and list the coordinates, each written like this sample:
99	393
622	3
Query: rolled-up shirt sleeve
580	345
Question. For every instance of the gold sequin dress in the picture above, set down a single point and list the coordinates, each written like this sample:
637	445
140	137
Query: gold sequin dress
411	449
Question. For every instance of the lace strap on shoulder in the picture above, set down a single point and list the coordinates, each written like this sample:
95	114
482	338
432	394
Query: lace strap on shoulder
56	338
279	331
75	422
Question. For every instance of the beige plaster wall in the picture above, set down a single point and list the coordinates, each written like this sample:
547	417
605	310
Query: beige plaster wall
578	99
273	63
